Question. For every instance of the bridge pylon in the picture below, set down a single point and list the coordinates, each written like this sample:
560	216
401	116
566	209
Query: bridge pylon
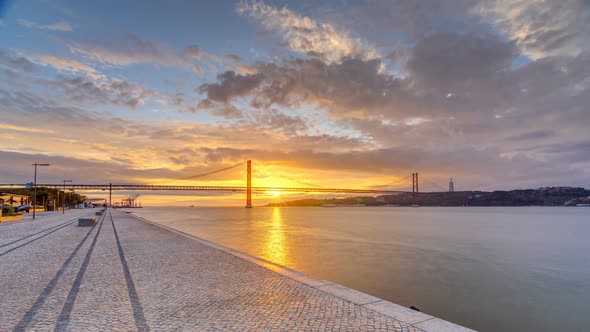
249	184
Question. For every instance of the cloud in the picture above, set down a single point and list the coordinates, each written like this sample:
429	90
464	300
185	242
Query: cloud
274	119
226	111
93	170
571	151
93	88
68	65
58	26
541	28
463	87
305	35
133	50
115	91
13	62
8	126
175	147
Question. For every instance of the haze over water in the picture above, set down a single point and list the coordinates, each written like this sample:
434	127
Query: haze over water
491	269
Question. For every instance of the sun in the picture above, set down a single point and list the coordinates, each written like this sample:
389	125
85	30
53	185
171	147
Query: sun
274	193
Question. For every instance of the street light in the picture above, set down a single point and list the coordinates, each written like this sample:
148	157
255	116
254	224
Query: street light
64	204
35	187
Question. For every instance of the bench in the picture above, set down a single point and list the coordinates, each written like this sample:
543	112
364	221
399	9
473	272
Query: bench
86	222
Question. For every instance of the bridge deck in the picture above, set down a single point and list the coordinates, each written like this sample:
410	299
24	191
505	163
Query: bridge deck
128	274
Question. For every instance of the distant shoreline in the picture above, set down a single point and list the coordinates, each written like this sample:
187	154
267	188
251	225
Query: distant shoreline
552	196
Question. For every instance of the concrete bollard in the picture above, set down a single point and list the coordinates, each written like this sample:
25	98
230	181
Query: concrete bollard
84	222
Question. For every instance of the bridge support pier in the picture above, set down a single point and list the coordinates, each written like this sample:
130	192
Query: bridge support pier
249	184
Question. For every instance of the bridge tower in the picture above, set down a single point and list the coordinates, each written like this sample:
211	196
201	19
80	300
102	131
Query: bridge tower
415	190
249	184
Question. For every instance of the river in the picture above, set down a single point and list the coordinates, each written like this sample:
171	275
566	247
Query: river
487	268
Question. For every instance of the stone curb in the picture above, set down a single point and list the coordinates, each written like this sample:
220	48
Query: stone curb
419	320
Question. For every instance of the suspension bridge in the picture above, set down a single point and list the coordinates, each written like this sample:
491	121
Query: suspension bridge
248	188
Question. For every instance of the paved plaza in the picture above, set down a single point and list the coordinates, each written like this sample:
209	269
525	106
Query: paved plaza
126	274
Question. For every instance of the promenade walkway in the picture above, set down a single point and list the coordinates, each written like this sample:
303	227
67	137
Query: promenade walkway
128	274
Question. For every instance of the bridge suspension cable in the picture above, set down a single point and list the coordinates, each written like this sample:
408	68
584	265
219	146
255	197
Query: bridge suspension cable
424	179
213	172
401	181
407	178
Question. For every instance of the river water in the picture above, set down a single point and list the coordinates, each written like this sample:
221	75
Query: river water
488	268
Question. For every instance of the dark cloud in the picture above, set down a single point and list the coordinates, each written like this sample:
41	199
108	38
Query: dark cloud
233	57
231	85
533	135
352	85
449	62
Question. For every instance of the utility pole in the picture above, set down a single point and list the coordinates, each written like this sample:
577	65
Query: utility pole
417	183
249	184
64	204
35	187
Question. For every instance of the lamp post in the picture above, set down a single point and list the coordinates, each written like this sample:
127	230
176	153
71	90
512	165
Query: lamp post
64	204
35	187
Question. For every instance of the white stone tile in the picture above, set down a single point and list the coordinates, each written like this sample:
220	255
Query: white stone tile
348	294
399	312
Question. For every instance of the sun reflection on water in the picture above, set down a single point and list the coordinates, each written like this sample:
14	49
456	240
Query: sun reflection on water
275	247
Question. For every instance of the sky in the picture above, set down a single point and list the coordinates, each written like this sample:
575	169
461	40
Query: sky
360	94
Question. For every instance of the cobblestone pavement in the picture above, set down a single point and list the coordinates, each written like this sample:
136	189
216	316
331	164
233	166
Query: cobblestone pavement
126	274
